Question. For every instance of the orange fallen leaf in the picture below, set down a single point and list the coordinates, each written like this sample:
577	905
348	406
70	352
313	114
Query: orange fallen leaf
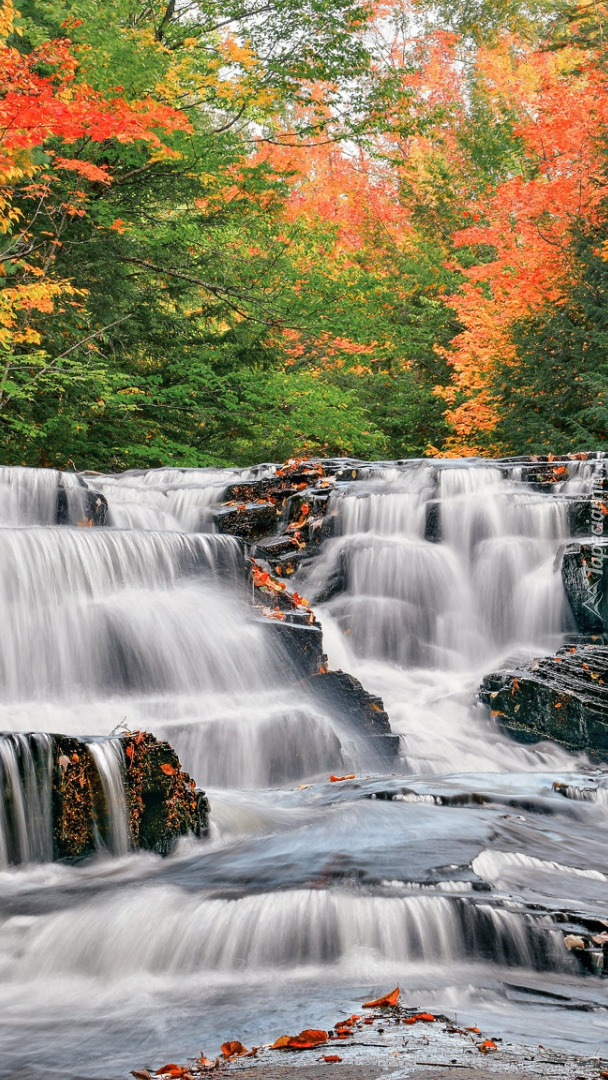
475	1029
487	1046
343	1024
428	1018
382	1002
333	1057
233	1049
205	1062
174	1071
338	779
168	770
306	1040
86	523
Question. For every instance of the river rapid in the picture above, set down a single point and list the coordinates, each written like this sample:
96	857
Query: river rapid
453	876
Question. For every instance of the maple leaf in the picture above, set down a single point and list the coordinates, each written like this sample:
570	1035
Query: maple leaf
383	1002
306	1040
233	1049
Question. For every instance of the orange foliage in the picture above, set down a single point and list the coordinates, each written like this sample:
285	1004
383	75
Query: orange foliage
526	221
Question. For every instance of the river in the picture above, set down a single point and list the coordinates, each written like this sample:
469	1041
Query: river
452	876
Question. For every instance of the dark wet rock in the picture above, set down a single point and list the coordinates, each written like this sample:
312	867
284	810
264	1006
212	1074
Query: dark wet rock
432	527
585	577
301	643
281	515
55	784
94	504
249	521
163	801
349	702
563	698
96	508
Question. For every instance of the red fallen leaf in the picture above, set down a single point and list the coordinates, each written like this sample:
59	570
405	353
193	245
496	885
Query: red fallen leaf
205	1063
338	779
168	770
174	1071
306	1040
428	1018
334	1057
487	1046
233	1049
382	1002
304	509
343	1024
298	600
129	750
343	1034
370	1020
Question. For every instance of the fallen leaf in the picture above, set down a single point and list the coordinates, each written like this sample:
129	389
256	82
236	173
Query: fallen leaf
428	1018
175	1071
475	1029
168	770
86	523
306	1040
487	1046
233	1049
205	1063
334	1057
338	779
380	1003
342	1025
573	941
141	1074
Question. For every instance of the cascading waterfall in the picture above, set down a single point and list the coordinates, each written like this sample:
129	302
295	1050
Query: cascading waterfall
458	873
25	802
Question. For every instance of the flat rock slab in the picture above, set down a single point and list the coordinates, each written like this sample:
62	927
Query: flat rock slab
391	1047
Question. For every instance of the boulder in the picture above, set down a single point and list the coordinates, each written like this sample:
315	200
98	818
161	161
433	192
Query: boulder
63	797
344	696
563	698
585	577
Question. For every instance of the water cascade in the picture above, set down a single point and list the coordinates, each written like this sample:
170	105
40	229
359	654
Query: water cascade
457	868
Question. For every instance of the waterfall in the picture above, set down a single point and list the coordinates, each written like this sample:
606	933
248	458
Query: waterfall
112	832
163	931
455	869
25	799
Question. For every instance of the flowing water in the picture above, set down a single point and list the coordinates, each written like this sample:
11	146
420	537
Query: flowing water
453	876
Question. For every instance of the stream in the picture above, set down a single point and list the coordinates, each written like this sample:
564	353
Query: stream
452	876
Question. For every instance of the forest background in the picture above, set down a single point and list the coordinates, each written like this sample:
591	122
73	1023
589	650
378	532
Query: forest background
241	230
